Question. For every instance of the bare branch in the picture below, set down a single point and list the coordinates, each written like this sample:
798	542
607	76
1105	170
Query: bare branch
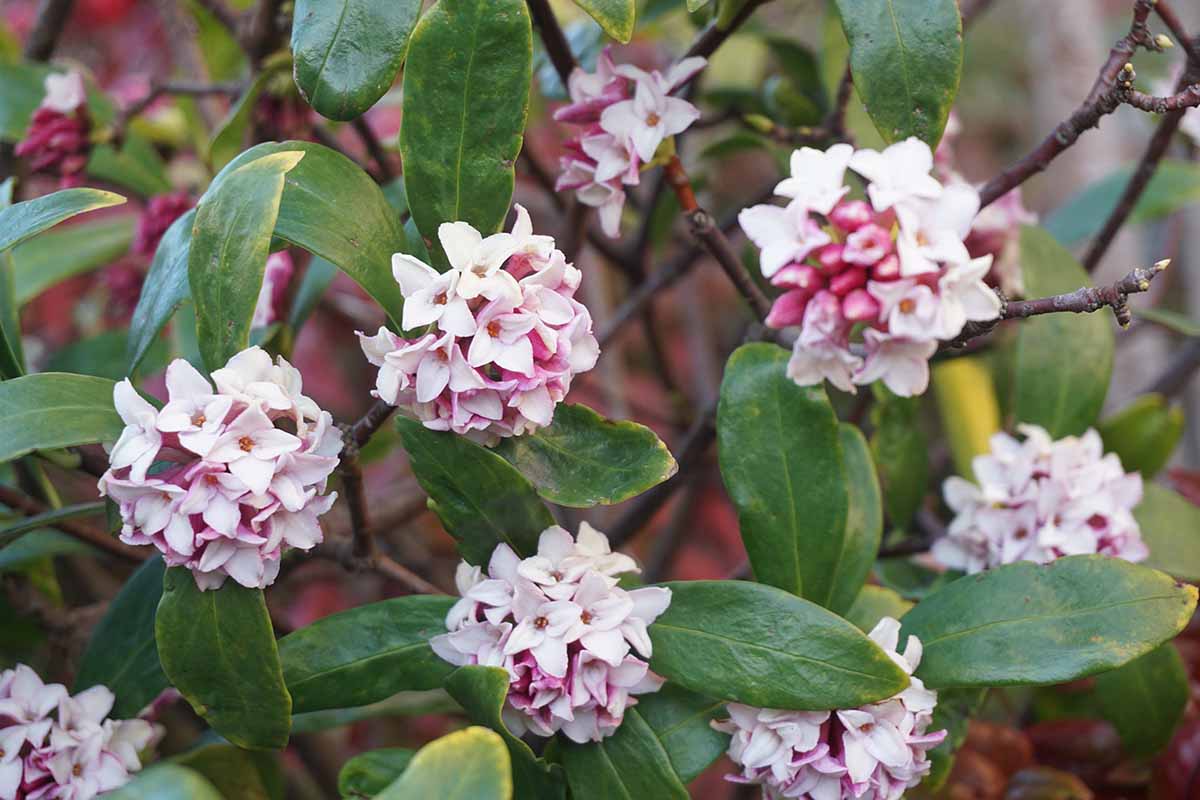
375	149
557	47
713	36
52	16
82	531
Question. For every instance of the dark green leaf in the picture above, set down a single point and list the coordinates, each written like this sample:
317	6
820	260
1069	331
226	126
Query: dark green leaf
1026	623
218	649
873	604
22	221
582	460
758	645
470	764
864	522
43	544
122	653
234	772
1143	434
466	97
369	773
164	290
799	64
231	134
906	56
42	262
679	719
11	533
630	763
21	90
953	713
616	17
911	580
1171	528
781	460
55	409
405	704
479	497
366	654
1145	699
1063	361
901	454
12	355
166	781
231	239
346	53
317	277
1175	185
104	356
1171	320
136	166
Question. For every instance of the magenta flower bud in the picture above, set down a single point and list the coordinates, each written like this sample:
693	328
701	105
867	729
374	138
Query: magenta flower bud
161	211
888	269
788	309
845	282
851	215
860	306
829	258
798	276
57	143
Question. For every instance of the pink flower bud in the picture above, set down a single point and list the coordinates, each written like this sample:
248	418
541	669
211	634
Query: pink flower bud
850	215
788	309
829	258
888	269
161	211
798	276
844	282
860	306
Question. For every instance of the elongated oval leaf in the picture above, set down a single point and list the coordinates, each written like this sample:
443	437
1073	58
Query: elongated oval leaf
166	781
582	460
781	461
470	764
218	649
366	654
1170	526
1144	434
22	221
616	17
864	522
164	290
1145	699
679	719
873	604
55	409
1063	361
346	53
89	244
122	653
369	773
1037	624
231	134
480	498
906	58
630	763
762	646
231	238
901	454
243	774
466	97
12	355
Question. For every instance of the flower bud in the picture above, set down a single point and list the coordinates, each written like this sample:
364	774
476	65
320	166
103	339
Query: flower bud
850	215
846	281
860	306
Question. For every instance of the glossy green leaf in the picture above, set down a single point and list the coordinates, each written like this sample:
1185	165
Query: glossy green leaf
21	90
1144	434
679	719
231	239
346	53
1175	185
630	763
230	135
1171	528
1145	699
218	649
616	17
781	460
234	772
55	409
695	5
1026	623
479	497
864	522
906	57
12	355
758	645
366	654
22	221
55	256
873	604
166	781
582	460
405	704
466	97
481	692
369	773
1063	361
122	653
910	580
470	764
136	166
103	356
164	289
901	453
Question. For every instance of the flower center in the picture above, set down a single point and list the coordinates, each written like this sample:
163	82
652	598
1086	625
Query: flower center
653	119
199	420
922	239
246	443
442	355
558	576
540	623
77	770
908	306
867	727
586	617
440	299
1020	534
211	480
493	329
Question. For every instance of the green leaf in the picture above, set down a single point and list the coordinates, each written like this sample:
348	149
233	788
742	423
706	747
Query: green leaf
864	522
761	646
679	719
1171	528
230	135
466	97
1063	361
1175	185
218	649
234	772
103	356
164	289
55	409
630	763
781	460
12	355
15	531
695	5
910	580
482	691
346	53
616	17
906	57
166	781
1036	624
1143	434
122	653
231	239
582	460
53	257
873	604
405	704
479	497
21	91
366	654
369	773
22	221
1171	320
29	550
953	713
136	166
470	764
317	277
901	453
1145	699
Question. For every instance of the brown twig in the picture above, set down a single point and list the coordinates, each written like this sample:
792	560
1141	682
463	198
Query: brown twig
835	122
362	430
375	149
1167	14
557	47
185	88
343	553
713	36
52	16
72	527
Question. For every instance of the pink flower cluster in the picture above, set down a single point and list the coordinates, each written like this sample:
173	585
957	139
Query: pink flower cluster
57	139
876	751
161	211
503	335
1041	499
221	481
624	114
57	747
567	635
896	267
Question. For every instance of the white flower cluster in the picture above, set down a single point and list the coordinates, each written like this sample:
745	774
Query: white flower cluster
568	636
1041	499
57	747
874	752
221	481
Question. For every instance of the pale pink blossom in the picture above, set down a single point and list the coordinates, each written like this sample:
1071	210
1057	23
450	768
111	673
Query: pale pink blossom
964	297
902	364
899	175
817	182
65	92
784	235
